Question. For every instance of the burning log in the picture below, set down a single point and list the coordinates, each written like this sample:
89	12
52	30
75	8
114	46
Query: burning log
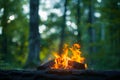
46	65
75	65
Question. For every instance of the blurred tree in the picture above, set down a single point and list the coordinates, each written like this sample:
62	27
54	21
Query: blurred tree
34	36
62	36
78	16
106	26
91	30
4	23
111	11
13	37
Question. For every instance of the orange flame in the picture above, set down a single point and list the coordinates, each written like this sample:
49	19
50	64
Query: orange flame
62	61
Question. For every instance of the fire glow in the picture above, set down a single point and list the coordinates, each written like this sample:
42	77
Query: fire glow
64	61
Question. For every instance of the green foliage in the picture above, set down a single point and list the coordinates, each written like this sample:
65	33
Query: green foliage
16	27
107	30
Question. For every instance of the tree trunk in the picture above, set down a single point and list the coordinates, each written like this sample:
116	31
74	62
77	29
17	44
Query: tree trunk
91	30
63	28
34	36
102	32
4	31
78	22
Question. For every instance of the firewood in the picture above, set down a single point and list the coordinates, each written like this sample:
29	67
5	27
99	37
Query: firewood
46	65
74	64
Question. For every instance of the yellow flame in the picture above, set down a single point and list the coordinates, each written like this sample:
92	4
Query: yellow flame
61	61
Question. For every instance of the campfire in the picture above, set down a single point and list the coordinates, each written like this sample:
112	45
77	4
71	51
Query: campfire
65	60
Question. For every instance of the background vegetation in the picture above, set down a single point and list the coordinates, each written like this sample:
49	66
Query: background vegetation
31	30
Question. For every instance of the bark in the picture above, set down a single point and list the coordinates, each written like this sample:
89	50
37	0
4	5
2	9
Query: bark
78	22
63	28
102	32
34	36
4	30
91	30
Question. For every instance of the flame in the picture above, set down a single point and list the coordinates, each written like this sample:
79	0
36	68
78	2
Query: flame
62	61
